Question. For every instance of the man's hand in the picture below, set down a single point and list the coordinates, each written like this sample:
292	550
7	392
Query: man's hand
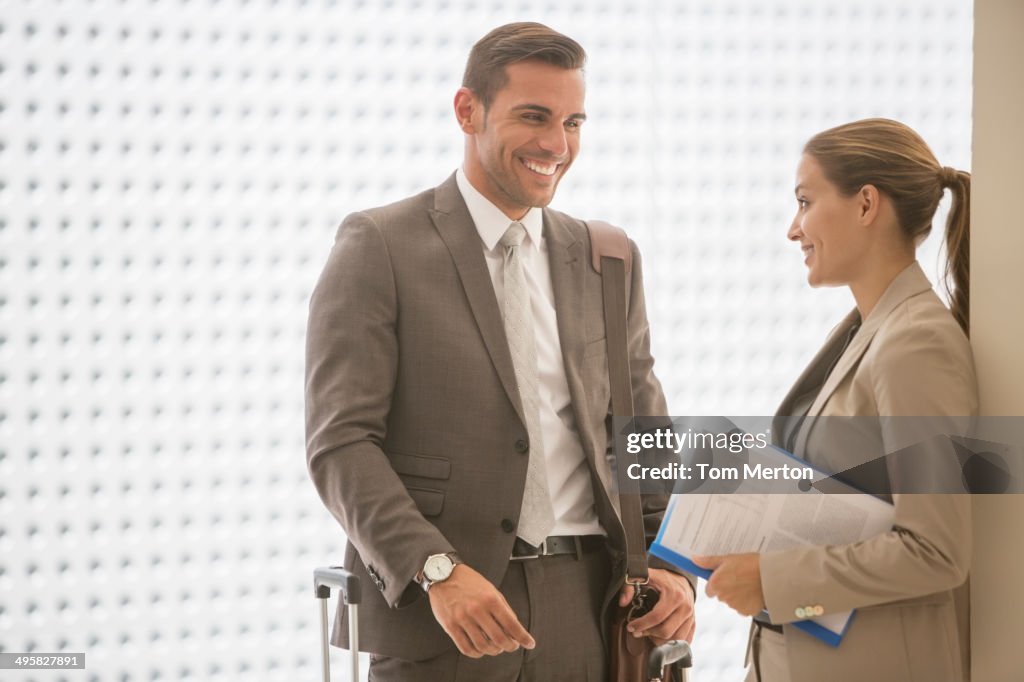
735	581
672	617
476	616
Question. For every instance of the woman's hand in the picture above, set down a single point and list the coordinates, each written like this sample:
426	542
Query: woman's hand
735	581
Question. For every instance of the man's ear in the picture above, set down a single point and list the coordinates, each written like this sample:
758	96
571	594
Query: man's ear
467	107
868	202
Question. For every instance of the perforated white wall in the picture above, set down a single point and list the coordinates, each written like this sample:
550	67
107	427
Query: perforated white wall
171	177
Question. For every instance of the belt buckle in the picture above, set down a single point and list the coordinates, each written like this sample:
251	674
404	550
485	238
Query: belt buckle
542	550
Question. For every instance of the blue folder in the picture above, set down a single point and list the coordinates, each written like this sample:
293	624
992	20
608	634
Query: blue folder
810	627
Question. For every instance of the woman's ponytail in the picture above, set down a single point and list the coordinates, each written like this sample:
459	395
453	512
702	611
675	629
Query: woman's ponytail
958	245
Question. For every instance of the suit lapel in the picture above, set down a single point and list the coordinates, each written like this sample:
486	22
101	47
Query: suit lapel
796	405
911	282
568	262
845	363
565	259
455	225
813	376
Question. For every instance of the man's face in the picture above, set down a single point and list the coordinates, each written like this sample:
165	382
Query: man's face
519	148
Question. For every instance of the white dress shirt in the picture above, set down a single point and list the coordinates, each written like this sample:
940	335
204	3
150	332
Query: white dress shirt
572	496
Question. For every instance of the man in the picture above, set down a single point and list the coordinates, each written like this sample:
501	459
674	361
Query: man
458	400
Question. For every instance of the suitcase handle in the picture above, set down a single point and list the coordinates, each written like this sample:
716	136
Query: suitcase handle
324	578
675	652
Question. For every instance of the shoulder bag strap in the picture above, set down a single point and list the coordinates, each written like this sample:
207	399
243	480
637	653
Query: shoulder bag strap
613	260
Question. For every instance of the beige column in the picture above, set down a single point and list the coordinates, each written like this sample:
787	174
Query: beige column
997	327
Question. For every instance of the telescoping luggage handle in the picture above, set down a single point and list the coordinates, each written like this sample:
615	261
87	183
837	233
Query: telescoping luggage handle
676	651
324	578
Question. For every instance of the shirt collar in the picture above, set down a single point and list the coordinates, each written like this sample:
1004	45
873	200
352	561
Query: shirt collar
491	223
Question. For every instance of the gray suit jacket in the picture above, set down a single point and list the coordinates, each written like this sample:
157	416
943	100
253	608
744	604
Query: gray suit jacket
909	358
413	419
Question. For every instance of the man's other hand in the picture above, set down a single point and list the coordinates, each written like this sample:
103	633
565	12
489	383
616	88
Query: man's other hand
672	617
476	616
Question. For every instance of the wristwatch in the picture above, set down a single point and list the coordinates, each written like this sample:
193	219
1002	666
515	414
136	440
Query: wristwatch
437	568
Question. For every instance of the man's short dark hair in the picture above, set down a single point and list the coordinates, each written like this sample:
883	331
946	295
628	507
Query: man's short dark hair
485	69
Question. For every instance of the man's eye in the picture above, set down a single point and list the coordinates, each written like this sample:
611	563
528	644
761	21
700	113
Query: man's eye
574	125
802	203
533	117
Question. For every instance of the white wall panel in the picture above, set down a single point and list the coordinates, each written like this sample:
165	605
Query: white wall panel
171	177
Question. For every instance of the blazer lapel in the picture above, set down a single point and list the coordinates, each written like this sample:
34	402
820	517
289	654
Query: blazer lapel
565	259
911	282
569	262
455	225
846	362
795	406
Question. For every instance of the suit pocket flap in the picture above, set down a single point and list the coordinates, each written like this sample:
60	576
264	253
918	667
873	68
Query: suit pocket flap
418	465
429	502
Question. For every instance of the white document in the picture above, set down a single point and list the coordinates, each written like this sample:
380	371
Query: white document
701	524
745	522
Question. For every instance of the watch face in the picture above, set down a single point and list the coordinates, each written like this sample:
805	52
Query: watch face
438	567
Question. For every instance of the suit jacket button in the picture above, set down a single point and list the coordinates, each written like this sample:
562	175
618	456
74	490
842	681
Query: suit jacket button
508	525
522	446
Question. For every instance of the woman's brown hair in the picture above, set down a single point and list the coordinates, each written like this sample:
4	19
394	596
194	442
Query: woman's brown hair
894	158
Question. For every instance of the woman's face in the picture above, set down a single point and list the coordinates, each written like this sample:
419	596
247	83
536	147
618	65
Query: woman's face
828	228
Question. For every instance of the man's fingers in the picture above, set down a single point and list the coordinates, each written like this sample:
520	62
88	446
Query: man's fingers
653	618
480	641
506	619
674	608
670	628
497	635
476	615
463	642
683	633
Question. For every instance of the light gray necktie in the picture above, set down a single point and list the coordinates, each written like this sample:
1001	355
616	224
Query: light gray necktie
537	517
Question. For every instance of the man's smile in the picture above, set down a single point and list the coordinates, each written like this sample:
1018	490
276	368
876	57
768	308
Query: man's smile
540	167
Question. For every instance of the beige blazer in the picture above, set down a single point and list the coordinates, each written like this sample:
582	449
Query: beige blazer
908	585
415	435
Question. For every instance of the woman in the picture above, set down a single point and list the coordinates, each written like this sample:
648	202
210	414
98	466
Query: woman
866	193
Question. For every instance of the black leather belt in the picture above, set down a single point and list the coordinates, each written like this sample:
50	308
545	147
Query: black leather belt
555	545
768	626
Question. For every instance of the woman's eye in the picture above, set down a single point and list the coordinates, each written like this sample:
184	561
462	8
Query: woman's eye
802	203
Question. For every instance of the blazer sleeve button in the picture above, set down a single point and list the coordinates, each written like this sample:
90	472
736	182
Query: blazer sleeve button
799	613
522	446
507	525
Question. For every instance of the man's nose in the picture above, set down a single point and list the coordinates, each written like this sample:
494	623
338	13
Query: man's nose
554	140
